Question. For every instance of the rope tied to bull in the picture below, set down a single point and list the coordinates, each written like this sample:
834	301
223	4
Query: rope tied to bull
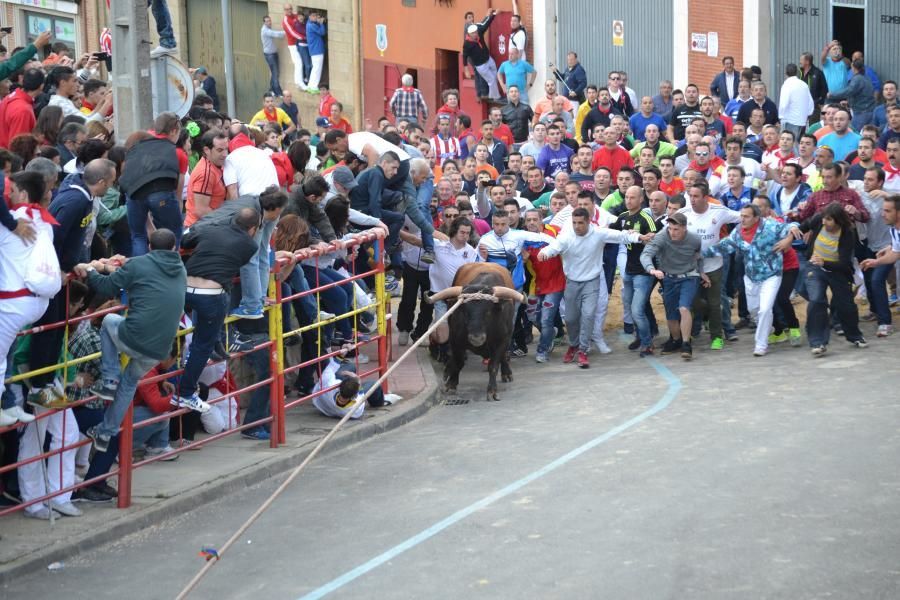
212	558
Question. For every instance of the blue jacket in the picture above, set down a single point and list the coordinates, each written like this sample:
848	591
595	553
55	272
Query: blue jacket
576	80
859	93
315	38
760	260
871	74
719	86
72	209
879	118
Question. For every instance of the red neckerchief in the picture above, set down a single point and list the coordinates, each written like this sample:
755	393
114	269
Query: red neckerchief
712	164
890	172
408	89
46	217
273	116
87	105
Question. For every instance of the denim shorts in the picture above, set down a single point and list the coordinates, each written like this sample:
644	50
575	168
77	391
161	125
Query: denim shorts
678	292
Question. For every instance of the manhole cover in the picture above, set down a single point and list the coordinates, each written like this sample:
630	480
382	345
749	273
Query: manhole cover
453	400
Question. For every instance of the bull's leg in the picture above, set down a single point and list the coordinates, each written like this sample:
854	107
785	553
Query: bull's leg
454	365
497	359
505	370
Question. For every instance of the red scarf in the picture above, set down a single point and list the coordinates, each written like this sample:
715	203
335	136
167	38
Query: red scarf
714	163
272	117
408	89
46	217
890	172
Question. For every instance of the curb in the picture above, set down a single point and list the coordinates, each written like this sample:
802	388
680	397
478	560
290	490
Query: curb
125	525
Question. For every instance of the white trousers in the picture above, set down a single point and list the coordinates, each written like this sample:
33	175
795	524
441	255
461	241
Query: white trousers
318	61
16	313
298	66
488	72
600	315
760	300
60	467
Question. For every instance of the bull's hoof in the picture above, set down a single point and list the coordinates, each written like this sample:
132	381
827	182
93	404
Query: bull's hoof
492	397
506	378
450	391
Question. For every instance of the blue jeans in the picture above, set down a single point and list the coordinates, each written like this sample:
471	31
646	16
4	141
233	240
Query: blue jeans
303	51
127	379
876	287
818	324
165	209
548	309
304	306
679	292
636	293
337	299
208	316
258	408
155	435
101	462
163	19
255	274
272	61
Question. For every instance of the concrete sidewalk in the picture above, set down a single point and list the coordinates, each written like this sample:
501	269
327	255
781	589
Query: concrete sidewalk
162	490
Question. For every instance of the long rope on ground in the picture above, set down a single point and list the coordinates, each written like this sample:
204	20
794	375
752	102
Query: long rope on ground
212	559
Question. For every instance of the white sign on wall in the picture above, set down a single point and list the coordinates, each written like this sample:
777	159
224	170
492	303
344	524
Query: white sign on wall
698	42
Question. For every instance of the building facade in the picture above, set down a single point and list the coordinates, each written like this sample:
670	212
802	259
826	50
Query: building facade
77	24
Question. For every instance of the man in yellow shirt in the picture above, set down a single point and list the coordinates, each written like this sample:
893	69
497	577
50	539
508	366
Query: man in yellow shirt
272	114
591	96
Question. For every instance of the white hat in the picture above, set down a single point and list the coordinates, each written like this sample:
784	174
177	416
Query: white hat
472	29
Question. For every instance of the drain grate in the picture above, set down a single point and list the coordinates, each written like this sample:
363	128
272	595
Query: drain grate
455	400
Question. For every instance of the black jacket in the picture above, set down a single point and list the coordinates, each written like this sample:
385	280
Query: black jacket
846	246
818	87
153	161
72	208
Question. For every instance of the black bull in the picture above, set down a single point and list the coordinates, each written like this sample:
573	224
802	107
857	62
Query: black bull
483	326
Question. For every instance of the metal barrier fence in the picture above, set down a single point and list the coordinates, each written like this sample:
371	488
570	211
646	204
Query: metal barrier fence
275	346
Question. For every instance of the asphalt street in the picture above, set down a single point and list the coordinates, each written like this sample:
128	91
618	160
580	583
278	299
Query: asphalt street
727	477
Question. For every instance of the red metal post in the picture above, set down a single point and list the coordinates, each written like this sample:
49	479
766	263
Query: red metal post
126	460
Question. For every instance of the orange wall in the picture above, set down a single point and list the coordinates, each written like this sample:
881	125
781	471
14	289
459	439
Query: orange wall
729	25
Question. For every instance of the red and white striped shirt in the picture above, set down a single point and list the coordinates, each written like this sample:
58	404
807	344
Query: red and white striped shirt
444	149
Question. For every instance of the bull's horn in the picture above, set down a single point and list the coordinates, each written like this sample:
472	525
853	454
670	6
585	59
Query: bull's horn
504	293
450	292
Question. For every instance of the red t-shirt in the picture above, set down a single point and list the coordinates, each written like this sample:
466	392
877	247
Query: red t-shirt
613	160
676	186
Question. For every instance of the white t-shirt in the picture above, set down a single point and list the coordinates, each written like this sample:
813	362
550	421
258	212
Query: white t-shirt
360	139
787	198
326	402
707	227
251	169
447	261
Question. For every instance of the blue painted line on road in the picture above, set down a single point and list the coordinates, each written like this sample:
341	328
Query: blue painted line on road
666	399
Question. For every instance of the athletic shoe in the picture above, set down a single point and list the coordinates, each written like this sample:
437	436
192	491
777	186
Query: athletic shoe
839	329
193	403
239	343
570	354
107	489
778	338
92	494
324	315
893	299
671	346
759	352
242	312
519	353
162	51
602	347
819	351
583	360
869	317
645	352
17	413
795	336
403	338
860	343
541	357
731	336
687	352
220	353
42	513
391	399
717	344
257	433
883	331
427	257
151	452
7	420
101	442
66	509
635	344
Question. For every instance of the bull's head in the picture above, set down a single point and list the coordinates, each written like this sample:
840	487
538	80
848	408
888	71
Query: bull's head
479	312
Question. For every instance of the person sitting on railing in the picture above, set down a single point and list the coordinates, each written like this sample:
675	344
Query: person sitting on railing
156	285
58	429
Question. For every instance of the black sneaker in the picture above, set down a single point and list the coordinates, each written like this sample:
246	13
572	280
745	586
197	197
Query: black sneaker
670	347
107	489
91	494
220	353
686	352
101	442
239	343
635	344
629	328
860	343
428	257
731	336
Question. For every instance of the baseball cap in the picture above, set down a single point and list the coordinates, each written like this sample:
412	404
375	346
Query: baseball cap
344	176
323	122
678	219
202	71
472	29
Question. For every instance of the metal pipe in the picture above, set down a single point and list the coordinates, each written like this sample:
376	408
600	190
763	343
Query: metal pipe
228	57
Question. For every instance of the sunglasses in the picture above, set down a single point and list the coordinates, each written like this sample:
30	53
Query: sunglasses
702	153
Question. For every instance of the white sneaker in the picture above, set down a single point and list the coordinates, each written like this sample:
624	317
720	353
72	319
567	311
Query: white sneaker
150	452
67	509
390	399
403	338
42	513
19	414
6	419
193	403
602	347
883	331
162	51
324	315
759	352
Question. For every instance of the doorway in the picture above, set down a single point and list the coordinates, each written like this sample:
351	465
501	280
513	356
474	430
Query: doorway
848	26
446	66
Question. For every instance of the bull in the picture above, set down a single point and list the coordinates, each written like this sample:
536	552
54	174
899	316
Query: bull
483	326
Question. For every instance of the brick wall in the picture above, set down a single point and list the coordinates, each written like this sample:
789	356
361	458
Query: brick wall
728	23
